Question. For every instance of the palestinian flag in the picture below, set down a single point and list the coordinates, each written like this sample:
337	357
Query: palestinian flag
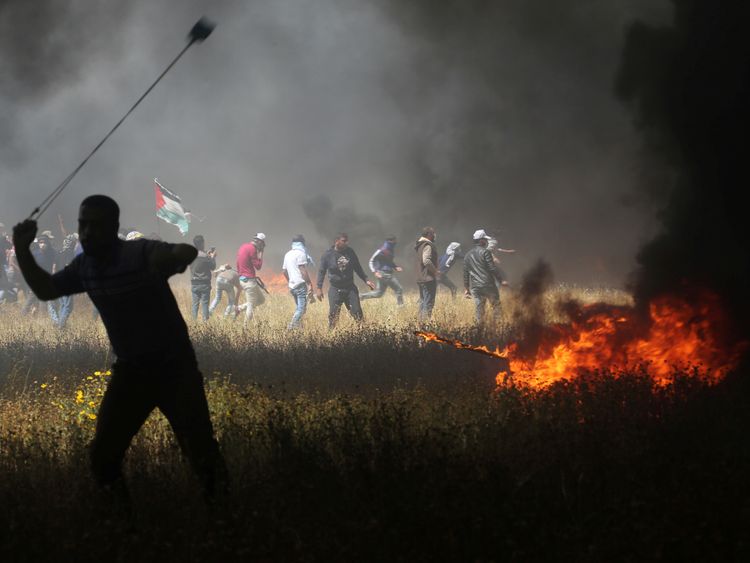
169	208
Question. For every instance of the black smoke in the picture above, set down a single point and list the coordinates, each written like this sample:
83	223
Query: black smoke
47	44
458	115
688	85
330	220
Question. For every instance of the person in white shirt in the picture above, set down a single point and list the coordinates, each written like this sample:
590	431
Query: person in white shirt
295	271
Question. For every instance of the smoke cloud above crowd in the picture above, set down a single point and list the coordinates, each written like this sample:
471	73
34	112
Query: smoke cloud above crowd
372	116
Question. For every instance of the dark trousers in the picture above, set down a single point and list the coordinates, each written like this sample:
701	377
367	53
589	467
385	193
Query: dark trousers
482	295
177	391
201	296
349	297
446	281
427	291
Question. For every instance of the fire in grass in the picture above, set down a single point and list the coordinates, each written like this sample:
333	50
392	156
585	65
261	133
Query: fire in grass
688	335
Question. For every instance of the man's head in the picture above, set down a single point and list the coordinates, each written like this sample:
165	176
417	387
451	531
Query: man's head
298	238
98	222
199	242
259	241
341	241
480	237
43	242
429	233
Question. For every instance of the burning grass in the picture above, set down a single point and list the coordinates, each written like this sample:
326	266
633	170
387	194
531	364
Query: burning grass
369	444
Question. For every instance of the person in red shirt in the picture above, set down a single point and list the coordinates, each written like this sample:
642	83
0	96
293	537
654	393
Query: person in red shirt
249	261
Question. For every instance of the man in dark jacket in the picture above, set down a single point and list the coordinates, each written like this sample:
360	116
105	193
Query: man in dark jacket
201	270
341	263
384	268
427	272
480	275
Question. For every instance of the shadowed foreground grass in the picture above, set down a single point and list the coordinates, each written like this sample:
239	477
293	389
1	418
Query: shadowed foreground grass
367	445
600	470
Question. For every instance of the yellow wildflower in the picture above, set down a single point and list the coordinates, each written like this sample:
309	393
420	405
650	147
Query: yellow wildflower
79	396
92	416
43	386
97	373
92	404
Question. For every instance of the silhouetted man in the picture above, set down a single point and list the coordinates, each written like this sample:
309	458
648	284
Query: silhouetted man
155	365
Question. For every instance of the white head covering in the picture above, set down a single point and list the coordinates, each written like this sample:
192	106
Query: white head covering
480	234
453	247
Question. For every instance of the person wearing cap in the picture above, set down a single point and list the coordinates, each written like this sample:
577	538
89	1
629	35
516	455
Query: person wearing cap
201	271
384	268
481	277
227	281
446	263
340	262
249	261
296	262
427	273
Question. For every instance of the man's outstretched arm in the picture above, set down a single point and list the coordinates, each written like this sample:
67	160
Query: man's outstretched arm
170	258
36	277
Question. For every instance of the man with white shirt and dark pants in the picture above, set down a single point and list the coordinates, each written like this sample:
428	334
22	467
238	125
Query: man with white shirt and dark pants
295	271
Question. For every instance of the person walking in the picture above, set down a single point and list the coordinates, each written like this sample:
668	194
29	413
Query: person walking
296	262
446	263
427	273
249	261
481	278
156	365
384	268
340	263
494	248
201	272
61	310
46	257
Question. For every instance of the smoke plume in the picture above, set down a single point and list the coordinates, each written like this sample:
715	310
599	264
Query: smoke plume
688	85
375	116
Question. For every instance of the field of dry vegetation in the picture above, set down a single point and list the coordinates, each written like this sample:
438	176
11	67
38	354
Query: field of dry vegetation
365	443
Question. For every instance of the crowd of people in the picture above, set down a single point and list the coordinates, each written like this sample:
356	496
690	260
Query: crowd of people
210	284
126	277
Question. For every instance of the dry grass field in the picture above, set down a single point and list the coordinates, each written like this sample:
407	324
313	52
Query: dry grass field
365	443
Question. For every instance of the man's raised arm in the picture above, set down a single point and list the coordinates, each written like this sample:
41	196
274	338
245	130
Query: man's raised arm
36	277
170	258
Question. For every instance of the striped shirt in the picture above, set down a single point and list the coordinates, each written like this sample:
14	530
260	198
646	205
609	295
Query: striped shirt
137	306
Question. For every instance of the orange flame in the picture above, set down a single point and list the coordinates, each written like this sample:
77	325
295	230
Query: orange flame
275	282
679	335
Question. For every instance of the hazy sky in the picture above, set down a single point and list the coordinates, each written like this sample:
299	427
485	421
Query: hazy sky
373	116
